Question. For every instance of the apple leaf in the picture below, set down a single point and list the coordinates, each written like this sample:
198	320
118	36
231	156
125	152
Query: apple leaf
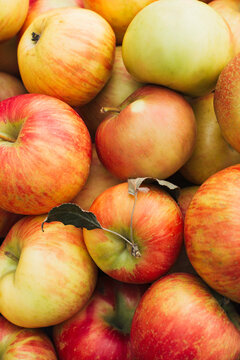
134	185
72	214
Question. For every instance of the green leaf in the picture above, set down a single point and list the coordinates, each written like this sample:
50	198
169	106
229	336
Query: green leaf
134	185
72	214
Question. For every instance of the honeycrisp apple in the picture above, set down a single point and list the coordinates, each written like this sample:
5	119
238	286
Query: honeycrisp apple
152	133
10	86
183	45
45	153
73	49
12	17
45	277
27	344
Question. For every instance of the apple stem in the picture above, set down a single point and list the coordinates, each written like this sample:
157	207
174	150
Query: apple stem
135	250
131	224
7	138
11	256
110	109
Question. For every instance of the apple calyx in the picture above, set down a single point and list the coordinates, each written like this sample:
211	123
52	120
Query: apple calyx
11	256
106	109
35	37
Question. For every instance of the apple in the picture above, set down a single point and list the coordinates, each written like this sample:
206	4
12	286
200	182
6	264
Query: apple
8	56
178	318
185	198
226	102
212	232
155	228
38	7
45	153
183	45
152	133
27	344
211	152
10	86
99	179
230	11
101	330
118	13
45	277
117	89
7	220
12	17
67	53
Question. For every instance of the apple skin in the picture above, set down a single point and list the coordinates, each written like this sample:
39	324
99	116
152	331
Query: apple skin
212	229
10	86
7	220
99	179
51	142
153	135
118	13
27	344
117	89
211	153
38	7
157	230
12	16
185	198
53	278
8	56
79	68
227	100
178	318
101	330
230	11
188	45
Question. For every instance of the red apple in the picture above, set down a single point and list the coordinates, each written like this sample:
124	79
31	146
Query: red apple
38	7
45	153
99	179
117	89
179	319
45	277
226	102
10	86
212	232
118	13
8	56
151	134
7	220
156	231
73	48
185	198
211	152
27	344
102	329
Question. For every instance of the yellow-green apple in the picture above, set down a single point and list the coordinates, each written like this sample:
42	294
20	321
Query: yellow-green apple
152	133
226	102
100	330
45	153
117	89
230	11
212	230
45	277
10	86
8	56
211	152
178	318
118	13
155	228
74	71
99	179
28	344
38	7
12	16
7	220
183	45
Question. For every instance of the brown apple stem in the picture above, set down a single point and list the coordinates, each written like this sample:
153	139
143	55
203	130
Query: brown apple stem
110	109
135	250
11	256
131	223
7	138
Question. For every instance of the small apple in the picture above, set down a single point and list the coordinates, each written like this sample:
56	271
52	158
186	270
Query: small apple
8	56
10	86
183	45
152	133
73	48
45	153
45	277
179	319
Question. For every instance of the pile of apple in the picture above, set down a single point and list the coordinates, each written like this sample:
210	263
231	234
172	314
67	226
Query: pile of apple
120	179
